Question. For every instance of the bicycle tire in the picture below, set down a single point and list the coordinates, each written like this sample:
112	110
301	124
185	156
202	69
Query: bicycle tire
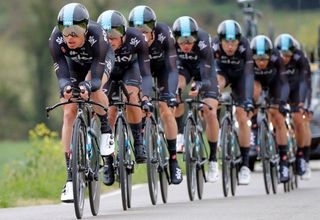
163	168
152	160
120	142
191	170
129	164
77	165
264	151
200	168
224	141
235	151
274	162
94	185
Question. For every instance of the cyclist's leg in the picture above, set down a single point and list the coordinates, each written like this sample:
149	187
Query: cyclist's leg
306	149
244	129
132	79
170	126
184	79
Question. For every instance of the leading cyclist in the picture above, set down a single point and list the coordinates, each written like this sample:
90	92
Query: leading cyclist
80	52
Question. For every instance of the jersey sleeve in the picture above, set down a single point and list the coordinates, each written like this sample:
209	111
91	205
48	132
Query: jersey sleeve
248	72
100	50
283	80
206	60
60	63
170	59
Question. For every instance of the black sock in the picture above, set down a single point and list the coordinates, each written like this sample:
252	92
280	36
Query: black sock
172	148
105	127
306	153
300	152
67	158
283	152
136	133
245	156
179	121
213	151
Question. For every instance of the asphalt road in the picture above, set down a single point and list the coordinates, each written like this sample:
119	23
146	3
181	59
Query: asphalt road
250	202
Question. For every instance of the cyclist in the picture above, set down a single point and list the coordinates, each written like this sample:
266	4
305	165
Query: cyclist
308	115
269	74
195	60
80	52
163	57
131	64
295	68
235	66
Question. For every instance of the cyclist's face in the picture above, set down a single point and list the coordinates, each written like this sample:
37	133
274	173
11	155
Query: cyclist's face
186	47
262	63
286	58
74	42
230	46
115	42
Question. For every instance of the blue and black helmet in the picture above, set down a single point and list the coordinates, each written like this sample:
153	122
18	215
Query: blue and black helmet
229	30
113	22
73	14
285	43
143	17
185	27
261	45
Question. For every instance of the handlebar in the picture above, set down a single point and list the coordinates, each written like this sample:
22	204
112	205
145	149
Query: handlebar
193	101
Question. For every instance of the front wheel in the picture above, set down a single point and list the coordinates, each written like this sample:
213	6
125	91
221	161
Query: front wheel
191	169
78	161
200	167
163	168
263	142
149	137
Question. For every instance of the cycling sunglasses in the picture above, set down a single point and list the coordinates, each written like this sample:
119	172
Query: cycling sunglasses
261	57
73	30
186	40
286	53
114	33
143	28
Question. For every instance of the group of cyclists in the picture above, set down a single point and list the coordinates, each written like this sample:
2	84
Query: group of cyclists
90	55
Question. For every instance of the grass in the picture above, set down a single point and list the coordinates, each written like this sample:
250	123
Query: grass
12	150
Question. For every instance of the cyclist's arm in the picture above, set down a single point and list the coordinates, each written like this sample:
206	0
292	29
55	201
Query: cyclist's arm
144	65
170	59
309	85
60	63
302	79
100	50
283	80
206	61
249	74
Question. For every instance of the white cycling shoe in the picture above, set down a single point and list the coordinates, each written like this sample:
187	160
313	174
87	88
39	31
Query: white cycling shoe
67	193
180	144
307	174
213	172
244	175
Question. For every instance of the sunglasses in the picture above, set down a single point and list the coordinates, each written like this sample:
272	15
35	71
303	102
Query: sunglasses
286	53
73	30
114	33
186	40
261	57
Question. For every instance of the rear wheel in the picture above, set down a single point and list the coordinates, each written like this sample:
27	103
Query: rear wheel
78	161
191	169
152	160
224	142
94	183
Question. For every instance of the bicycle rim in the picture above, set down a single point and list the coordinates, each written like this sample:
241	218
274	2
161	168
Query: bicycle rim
78	164
189	140
120	142
200	168
224	145
264	150
273	165
152	161
163	169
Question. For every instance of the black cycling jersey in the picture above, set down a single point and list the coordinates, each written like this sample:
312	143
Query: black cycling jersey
273	77
199	64
162	53
237	69
134	49
295	71
96	55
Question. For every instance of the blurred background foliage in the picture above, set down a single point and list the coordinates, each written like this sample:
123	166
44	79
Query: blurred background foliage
28	83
